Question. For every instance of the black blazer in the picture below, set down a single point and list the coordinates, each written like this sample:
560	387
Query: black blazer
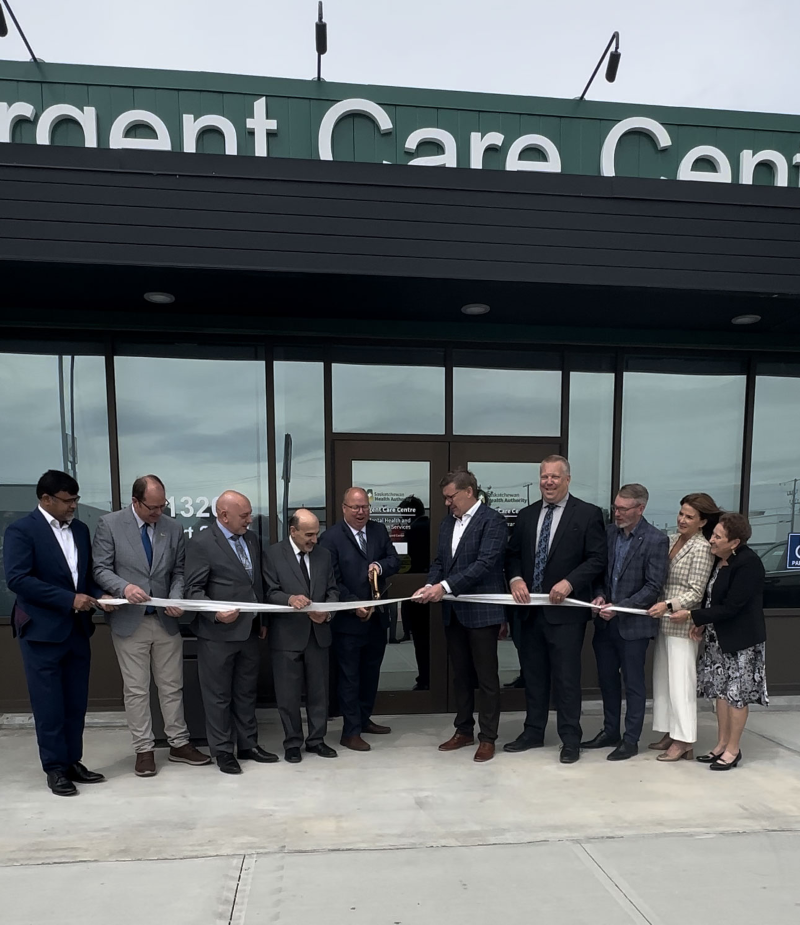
578	553
737	609
350	566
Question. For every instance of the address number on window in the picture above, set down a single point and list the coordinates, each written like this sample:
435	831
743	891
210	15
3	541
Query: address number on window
193	507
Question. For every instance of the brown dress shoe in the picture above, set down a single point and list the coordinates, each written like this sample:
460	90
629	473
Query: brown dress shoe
485	752
188	754
457	741
145	764
356	743
376	730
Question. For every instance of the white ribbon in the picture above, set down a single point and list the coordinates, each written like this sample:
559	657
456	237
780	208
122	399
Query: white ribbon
221	606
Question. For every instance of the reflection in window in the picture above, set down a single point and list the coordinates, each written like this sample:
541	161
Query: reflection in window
775	484
682	433
388	399
507	402
200	425
53	414
300	416
591	420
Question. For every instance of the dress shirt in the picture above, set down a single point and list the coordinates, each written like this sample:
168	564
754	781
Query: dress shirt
66	541
296	550
151	528
355	537
558	512
461	524
231	538
622	546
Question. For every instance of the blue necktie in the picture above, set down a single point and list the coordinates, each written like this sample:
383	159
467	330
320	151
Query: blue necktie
542	548
148	551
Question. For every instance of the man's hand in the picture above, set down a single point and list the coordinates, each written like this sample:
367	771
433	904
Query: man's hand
697	633
84	602
559	592
520	592
503	632
430	594
262	633
133	594
299	601
598	601
106	608
658	610
373	567
680	616
363	613
318	616
227	616
173	611
607	612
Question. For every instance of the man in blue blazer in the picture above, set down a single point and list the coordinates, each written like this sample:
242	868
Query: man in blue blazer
47	557
638	562
471	552
359	547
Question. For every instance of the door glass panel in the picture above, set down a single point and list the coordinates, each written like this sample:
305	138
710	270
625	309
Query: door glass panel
388	399
399	493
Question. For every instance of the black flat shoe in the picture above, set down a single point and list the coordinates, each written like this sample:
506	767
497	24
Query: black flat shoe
82	775
710	758
569	754
323	750
60	784
720	765
228	764
521	744
602	740
292	755
257	754
623	751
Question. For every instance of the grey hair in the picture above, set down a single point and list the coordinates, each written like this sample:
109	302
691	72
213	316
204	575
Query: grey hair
557	459
635	492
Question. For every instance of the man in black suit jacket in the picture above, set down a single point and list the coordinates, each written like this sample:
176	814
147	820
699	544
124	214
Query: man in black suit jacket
358	548
47	556
472	544
223	563
297	572
558	548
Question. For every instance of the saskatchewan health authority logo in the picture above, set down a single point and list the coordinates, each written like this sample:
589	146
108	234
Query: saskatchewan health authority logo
793	552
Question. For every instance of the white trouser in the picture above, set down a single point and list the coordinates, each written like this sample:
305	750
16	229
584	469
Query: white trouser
675	687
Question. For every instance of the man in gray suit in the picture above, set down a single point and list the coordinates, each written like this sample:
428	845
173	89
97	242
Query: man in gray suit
222	564
296	573
137	554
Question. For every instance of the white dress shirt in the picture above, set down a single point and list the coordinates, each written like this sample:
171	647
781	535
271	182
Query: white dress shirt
297	556
66	541
461	524
232	539
557	514
151	529
356	534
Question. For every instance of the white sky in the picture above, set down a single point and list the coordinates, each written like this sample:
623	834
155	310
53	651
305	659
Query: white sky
719	54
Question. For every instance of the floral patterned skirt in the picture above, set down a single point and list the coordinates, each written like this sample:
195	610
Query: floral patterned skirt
738	677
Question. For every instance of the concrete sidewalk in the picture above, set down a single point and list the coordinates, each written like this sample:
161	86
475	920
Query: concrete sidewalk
521	838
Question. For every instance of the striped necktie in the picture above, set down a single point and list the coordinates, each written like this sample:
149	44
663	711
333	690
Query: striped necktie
542	550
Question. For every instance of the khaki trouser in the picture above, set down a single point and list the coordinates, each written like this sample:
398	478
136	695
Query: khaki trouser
151	647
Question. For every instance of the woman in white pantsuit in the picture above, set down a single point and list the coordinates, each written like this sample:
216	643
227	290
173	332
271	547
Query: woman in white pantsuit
675	661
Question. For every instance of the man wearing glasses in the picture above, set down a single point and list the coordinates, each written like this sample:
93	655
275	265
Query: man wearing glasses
47	557
360	549
139	554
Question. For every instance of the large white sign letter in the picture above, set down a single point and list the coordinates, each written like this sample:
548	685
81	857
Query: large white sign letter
479	143
117	137
748	162
193	127
10	115
354	107
722	166
439	136
552	164
635	124
260	125
86	118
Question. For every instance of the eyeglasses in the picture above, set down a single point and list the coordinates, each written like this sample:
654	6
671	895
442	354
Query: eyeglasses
73	499
448	498
153	507
617	508
358	507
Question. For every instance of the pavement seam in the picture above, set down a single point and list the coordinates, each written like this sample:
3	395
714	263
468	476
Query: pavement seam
763	735
241	894
614	887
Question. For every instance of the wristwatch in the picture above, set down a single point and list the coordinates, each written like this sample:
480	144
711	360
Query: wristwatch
670	608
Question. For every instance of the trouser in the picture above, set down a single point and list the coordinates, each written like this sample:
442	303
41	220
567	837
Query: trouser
473	654
620	660
58	684
675	687
417	618
228	674
551	653
359	657
150	648
289	670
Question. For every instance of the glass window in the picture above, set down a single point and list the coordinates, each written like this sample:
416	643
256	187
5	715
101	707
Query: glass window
388	399
507	402
591	424
300	429
775	483
682	433
53	414
200	425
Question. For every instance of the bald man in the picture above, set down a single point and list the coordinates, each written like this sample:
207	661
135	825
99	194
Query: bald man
297	572
223	564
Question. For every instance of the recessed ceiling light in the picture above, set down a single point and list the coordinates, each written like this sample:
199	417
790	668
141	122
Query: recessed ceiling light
745	319
475	308
159	298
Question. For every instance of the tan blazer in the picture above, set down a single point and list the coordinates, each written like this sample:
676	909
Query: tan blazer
686	583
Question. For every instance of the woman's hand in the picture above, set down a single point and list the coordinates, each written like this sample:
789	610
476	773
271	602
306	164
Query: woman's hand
658	610
696	633
680	616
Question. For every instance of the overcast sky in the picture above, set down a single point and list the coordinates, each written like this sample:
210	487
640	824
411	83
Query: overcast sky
721	54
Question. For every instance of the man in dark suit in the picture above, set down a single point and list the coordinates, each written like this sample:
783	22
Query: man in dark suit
472	543
47	557
558	548
298	572
359	547
638	562
223	564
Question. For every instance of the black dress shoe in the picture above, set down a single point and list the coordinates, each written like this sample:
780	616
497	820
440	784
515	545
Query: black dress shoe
257	753
60	784
228	764
720	765
569	754
518	682
323	750
602	740
624	750
522	744
82	775
292	755
421	687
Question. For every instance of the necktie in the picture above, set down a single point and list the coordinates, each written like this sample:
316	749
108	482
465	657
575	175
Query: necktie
542	548
148	551
362	541
304	570
238	545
